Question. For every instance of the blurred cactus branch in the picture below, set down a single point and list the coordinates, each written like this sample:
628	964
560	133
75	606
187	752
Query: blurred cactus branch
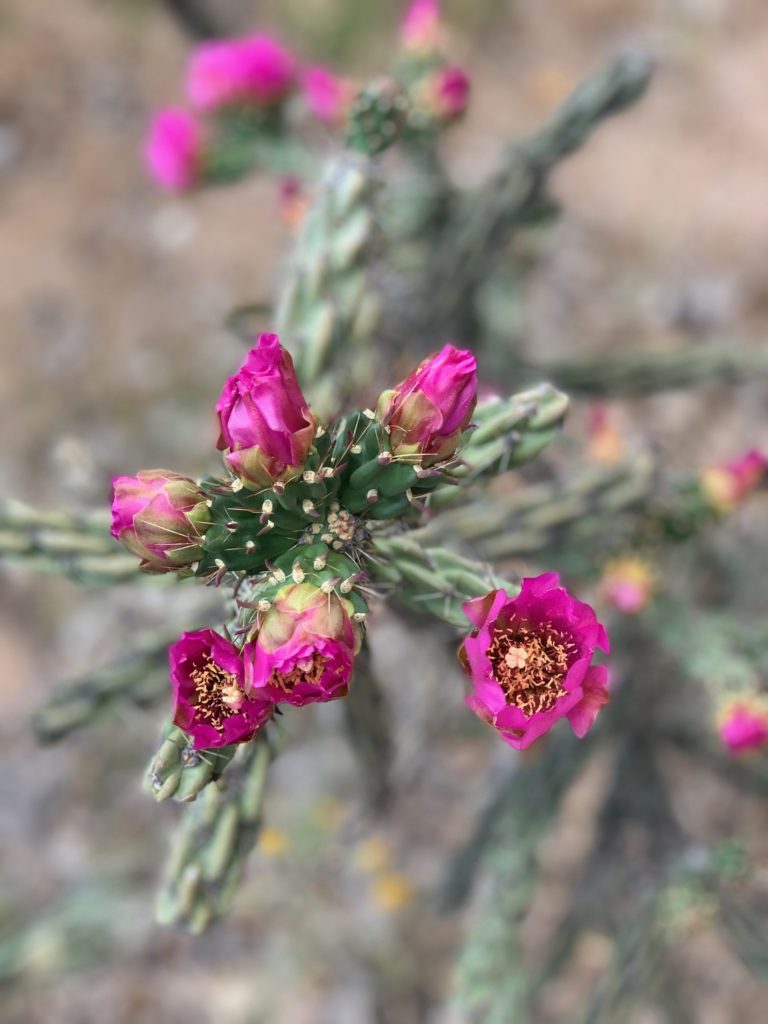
492	979
516	194
216	835
76	546
640	371
195	17
367	724
138	678
326	310
538	516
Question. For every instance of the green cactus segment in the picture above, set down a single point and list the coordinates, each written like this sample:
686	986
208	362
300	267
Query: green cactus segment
377	117
180	772
217	834
327	310
512	431
434	580
350	477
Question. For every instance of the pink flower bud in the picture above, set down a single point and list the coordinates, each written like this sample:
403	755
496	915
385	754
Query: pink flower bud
327	96
728	485
211	705
173	151
266	424
161	517
420	28
255	70
449	93
628	583
530	661
744	725
427	414
305	648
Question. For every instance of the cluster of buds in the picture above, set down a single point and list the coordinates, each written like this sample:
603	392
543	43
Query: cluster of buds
237	91
438	91
292	527
251	90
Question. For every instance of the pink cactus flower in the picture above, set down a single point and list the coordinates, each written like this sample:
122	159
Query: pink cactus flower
211	705
266	425
449	89
304	650
530	661
744	725
255	70
628	583
728	485
161	517
327	96
427	414
173	151
420	28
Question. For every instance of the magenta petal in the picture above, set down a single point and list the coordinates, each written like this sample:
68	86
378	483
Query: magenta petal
595	696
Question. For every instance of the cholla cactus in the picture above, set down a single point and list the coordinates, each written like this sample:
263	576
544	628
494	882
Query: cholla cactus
324	508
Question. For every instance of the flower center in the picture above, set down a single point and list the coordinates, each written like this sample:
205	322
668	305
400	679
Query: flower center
308	671
530	665
217	693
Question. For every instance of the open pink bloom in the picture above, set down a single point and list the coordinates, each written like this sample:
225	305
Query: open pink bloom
530	661
427	414
173	151
304	650
420	28
727	485
211	705
161	517
327	96
254	70
744	726
265	420
449	88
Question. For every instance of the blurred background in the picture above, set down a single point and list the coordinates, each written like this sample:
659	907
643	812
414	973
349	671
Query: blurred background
112	301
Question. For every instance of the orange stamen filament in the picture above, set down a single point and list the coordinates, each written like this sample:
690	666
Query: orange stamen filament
218	695
531	664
